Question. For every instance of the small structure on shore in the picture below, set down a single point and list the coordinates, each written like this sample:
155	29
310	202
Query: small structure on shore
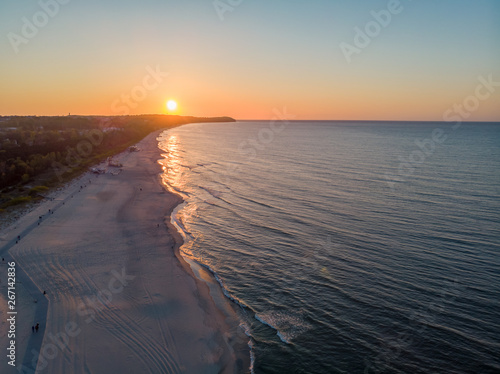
98	170
114	163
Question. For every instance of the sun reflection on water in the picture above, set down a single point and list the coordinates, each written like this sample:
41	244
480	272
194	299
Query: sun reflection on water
175	177
171	162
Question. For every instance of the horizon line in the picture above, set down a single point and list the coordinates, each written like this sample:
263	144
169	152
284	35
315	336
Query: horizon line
249	119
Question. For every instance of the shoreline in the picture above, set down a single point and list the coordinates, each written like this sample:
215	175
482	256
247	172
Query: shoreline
205	278
196	327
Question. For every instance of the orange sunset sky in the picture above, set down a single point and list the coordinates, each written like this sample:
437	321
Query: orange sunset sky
244	60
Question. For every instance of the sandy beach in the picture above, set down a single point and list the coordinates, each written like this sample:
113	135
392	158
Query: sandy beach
119	298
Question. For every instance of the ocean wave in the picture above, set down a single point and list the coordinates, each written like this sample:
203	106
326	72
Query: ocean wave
251	345
220	281
212	192
179	226
288	326
174	189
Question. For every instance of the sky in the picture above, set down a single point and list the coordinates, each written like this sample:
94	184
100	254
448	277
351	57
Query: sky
320	59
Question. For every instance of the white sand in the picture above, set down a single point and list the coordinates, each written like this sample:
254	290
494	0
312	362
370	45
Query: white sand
120	298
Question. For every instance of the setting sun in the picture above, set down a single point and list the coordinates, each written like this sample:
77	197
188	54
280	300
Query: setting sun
171	105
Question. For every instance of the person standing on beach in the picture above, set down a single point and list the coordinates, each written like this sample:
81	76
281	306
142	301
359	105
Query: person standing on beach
36	327
32	329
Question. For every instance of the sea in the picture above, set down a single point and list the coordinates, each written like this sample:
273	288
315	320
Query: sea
348	247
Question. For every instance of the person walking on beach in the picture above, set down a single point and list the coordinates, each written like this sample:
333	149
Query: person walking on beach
36	327
32	329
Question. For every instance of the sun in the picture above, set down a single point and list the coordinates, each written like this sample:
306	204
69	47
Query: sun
171	105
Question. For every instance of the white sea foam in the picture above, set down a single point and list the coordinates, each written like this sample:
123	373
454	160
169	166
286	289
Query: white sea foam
246	330
179	226
287	326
